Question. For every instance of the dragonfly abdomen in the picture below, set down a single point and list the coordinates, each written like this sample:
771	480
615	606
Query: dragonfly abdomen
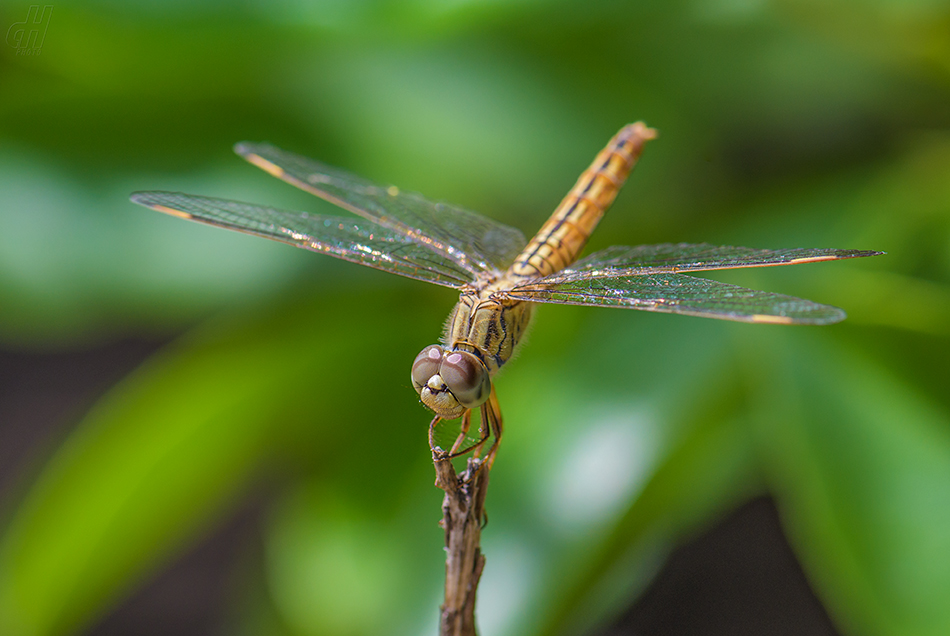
559	242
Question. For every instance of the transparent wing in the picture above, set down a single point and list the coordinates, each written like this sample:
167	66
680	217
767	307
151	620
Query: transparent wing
473	241
365	243
679	294
683	257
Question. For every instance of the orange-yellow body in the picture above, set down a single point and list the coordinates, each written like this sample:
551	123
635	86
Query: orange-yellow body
487	323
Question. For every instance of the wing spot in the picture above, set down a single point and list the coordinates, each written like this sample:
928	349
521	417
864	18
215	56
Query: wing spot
772	320
265	165
811	259
172	211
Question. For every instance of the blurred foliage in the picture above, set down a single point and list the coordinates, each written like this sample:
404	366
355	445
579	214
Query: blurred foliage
783	124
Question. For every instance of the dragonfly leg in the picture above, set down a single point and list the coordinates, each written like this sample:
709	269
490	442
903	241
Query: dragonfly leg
453	453
484	429
432	446
491	423
491	412
466	423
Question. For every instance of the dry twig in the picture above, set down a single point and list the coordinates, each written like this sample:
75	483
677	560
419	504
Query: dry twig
463	510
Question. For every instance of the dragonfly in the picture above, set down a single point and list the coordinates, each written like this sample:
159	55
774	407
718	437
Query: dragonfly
499	275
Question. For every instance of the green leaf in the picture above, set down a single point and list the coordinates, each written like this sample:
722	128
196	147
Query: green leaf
162	456
860	466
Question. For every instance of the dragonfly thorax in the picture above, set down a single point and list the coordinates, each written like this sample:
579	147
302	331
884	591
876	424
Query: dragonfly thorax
480	336
489	325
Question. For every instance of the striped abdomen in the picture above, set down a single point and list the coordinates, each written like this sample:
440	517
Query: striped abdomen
558	243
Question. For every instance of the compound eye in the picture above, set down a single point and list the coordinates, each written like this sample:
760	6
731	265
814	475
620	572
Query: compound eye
466	377
426	365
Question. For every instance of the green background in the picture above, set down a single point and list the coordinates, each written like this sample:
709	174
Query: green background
782	124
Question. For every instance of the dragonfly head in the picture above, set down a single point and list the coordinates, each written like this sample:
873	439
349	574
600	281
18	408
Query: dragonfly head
450	382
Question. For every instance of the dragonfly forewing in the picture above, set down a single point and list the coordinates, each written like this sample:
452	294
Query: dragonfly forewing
679	294
475	242
685	257
360	242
